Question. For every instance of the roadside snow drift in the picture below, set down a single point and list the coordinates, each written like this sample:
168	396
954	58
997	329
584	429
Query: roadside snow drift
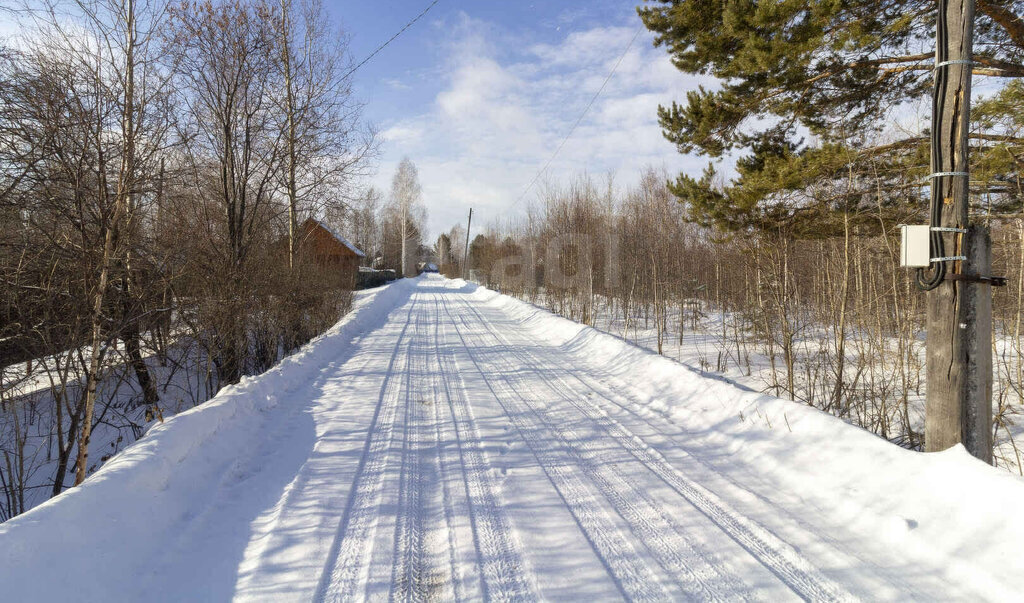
445	441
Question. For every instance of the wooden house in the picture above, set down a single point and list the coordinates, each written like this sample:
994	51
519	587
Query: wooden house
330	251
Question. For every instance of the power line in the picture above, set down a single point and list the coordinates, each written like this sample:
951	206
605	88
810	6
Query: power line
580	118
391	39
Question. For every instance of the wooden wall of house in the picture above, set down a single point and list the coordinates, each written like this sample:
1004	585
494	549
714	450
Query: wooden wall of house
337	260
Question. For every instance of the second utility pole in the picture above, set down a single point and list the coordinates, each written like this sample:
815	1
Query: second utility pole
465	256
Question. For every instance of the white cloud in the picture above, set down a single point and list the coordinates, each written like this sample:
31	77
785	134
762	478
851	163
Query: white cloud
396	84
504	109
399	134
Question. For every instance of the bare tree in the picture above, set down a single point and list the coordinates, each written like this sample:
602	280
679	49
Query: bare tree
325	143
113	144
85	127
227	75
406	200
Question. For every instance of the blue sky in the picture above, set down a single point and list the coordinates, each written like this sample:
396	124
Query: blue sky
479	95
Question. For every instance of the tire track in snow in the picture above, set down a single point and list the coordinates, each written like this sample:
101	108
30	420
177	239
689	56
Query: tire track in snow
669	543
295	489
773	553
452	502
346	568
414	577
632	407
265	543
445	536
633	578
407	570
776	555
499	554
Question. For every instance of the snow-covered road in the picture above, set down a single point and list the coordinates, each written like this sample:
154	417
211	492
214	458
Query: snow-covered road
444	442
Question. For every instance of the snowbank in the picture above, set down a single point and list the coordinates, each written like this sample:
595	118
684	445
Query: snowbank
946	506
145	489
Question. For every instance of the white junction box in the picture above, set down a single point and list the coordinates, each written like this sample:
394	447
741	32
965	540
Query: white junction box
915	246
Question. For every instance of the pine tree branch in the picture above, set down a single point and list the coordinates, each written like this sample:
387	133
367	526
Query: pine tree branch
1005	17
993	67
998	138
1016	68
899	144
910	58
917	58
916	140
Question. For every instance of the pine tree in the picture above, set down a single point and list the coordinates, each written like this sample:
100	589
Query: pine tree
830	71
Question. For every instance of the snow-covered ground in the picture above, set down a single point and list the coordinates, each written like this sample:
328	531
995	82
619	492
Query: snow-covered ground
120	409
443	441
720	344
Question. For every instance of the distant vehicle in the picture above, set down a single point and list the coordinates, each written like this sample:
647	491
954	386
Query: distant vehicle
430	267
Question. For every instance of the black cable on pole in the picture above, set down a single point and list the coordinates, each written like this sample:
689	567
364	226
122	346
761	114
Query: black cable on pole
925	281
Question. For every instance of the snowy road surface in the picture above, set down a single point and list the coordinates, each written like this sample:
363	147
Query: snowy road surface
445	442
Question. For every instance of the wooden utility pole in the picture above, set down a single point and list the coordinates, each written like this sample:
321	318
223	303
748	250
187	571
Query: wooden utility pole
976	414
959	353
465	255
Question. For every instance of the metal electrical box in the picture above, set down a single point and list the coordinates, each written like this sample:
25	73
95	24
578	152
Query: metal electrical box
915	246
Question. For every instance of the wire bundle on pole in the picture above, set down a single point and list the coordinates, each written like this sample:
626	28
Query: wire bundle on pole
924	280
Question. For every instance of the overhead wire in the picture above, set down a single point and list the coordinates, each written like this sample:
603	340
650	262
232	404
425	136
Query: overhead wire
575	124
391	39
579	119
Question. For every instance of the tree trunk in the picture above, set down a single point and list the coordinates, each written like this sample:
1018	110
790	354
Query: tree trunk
405	221
132	346
837	391
124	184
290	113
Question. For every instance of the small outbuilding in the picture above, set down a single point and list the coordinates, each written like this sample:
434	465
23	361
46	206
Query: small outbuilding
330	250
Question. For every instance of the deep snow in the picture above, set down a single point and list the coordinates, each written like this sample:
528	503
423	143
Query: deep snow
445	441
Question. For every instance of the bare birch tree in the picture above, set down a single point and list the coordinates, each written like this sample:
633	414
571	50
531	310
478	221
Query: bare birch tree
406	198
